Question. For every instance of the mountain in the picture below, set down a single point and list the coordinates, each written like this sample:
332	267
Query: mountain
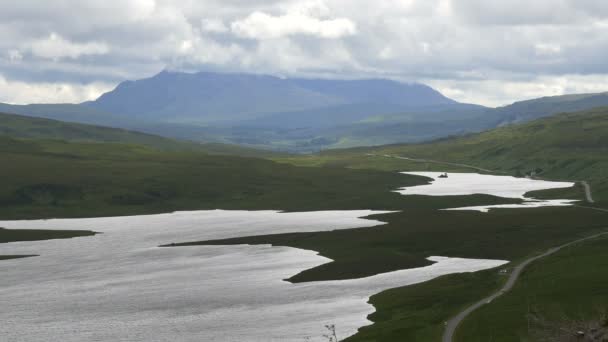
295	114
206	97
523	111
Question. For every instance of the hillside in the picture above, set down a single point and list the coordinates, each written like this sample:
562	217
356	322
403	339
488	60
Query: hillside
523	111
51	178
19	126
293	114
566	146
25	127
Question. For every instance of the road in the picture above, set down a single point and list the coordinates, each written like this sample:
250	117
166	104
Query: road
453	323
587	188
436	162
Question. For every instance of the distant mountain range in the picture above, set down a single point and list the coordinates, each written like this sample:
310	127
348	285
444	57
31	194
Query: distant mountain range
294	114
211	97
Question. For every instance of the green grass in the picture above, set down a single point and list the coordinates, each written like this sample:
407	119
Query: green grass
41	179
25	127
414	234
13	235
418	312
570	284
19	126
570	146
53	178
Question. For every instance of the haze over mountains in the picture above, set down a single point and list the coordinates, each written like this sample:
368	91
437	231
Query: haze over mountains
294	114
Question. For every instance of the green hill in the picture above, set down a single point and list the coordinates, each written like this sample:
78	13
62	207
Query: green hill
571	146
19	126
26	127
53	178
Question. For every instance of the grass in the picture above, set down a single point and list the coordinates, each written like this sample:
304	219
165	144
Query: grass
572	146
418	312
14	235
42	179
75	179
412	235
569	285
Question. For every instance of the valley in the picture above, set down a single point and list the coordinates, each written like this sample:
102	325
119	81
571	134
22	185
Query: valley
457	231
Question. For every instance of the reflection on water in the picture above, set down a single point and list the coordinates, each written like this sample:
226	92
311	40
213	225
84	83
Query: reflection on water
119	286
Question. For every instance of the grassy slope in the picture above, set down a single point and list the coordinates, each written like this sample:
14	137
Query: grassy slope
54	178
570	146
25	127
19	126
569	285
418	312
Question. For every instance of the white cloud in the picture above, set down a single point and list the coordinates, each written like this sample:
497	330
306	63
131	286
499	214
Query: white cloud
310	18
14	55
545	49
18	92
499	92
213	25
55	47
456	45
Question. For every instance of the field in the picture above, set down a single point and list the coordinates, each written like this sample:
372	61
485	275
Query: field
555	298
43	178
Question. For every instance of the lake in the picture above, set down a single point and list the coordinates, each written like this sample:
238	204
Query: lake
119	286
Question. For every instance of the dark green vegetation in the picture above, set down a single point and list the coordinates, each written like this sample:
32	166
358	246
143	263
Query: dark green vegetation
418	312
18	126
58	178
411	236
42	179
8	257
13	235
567	287
571	146
26	127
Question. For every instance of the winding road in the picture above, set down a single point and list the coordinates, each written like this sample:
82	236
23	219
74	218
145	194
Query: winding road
587	188
436	162
453	323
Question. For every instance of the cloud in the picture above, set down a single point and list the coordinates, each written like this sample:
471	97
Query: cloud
17	92
456	45
495	92
55	47
311	18
213	25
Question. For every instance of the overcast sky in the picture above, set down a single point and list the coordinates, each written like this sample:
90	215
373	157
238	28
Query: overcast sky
490	52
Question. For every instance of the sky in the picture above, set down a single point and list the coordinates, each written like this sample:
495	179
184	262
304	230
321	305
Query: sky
489	52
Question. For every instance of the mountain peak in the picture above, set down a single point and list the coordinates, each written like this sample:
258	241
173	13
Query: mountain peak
212	96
